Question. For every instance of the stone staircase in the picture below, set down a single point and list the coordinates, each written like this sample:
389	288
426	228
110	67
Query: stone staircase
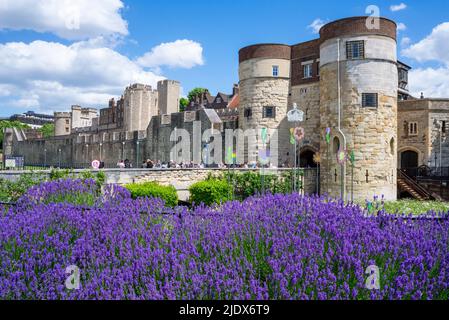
407	184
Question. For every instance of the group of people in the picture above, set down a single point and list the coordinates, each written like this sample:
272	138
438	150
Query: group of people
150	164
124	164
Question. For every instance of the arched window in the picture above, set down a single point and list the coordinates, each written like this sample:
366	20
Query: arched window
336	145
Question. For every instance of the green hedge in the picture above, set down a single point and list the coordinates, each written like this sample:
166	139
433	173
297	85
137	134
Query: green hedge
210	192
154	190
252	183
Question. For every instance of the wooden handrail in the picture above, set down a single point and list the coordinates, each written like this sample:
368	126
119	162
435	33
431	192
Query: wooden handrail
412	183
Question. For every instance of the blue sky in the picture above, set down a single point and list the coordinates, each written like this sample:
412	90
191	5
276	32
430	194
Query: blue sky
46	65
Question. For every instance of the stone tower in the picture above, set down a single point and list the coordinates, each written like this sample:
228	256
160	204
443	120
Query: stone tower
264	73
140	105
358	102
63	123
169	92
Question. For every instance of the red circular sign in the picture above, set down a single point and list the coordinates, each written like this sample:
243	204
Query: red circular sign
96	164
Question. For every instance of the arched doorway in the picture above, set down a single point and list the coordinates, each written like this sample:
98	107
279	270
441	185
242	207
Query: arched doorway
409	159
307	159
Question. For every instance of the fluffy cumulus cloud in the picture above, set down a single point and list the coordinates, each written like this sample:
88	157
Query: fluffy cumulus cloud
405	41
402	26
434	47
68	19
398	7
433	81
178	54
316	25
48	75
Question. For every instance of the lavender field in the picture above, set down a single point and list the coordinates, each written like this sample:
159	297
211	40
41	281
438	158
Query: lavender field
271	247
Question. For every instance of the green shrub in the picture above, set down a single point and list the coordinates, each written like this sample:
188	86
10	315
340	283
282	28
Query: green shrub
58	174
210	192
11	191
154	190
252	183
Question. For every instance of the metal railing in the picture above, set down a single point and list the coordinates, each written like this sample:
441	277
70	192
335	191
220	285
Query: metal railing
413	184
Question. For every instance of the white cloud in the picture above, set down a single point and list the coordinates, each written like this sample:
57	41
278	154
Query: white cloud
68	19
180	53
402	27
316	25
434	82
51	76
405	41
398	7
434	47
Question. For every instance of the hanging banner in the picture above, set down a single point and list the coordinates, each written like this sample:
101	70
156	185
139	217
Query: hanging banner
264	135
328	135
352	157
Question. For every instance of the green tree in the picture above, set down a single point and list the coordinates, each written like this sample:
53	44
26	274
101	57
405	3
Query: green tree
10	124
195	92
183	103
48	130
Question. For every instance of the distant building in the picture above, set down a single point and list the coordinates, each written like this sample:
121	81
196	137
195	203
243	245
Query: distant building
32	119
78	118
206	101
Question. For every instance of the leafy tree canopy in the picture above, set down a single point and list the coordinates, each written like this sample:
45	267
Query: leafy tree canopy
48	130
183	103
195	92
10	124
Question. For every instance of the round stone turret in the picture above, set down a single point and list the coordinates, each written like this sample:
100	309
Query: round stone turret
358	102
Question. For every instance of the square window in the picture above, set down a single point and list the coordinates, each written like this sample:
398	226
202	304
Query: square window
355	50
269	112
275	71
308	71
369	100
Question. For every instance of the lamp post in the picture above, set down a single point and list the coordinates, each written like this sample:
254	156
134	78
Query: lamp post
87	154
101	145
123	150
45	158
59	157
176	145
137	154
295	116
441	149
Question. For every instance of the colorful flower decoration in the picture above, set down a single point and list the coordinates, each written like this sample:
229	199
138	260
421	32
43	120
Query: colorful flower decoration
317	158
264	156
297	134
352	157
264	135
342	156
328	135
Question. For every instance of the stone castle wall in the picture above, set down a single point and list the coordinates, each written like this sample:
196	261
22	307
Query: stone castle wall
140	106
259	89
307	97
168	93
370	132
429	115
